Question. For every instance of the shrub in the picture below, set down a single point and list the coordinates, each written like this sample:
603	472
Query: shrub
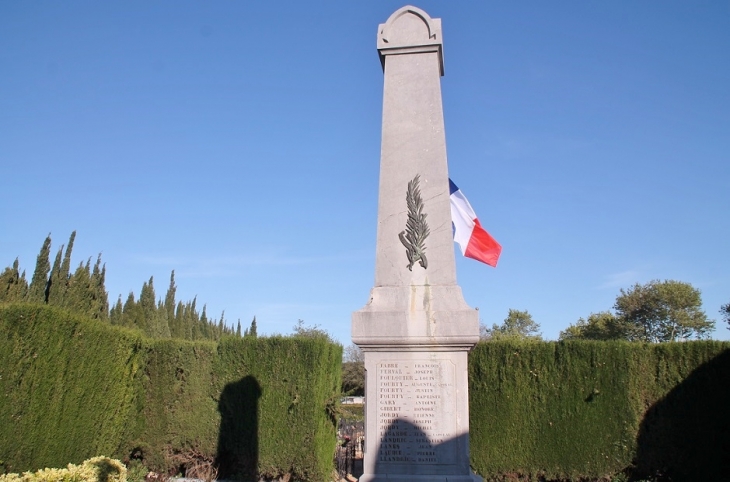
97	469
586	410
73	387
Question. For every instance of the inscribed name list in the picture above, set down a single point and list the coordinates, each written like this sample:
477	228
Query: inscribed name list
416	411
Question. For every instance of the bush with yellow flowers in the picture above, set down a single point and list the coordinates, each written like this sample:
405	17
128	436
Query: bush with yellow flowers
97	469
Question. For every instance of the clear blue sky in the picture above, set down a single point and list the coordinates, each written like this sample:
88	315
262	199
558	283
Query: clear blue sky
238	143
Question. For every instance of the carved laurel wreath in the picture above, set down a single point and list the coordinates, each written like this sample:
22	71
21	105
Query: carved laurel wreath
416	232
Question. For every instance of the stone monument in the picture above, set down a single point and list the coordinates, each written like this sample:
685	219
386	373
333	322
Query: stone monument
416	330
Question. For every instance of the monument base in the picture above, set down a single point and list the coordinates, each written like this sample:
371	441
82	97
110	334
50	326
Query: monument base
419	478
416	414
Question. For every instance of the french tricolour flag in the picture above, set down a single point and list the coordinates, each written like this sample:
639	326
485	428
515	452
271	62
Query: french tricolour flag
474	241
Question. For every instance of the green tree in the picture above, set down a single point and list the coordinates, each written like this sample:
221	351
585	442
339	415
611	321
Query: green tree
129	313
13	286
169	307
66	265
148	309
191	319
78	297
353	371
181	328
115	314
99	298
252	330
662	311
725	312
60	275
353	353
204	325
238	328
598	326
221	330
153	318
85	293
517	325
56	286
315	331
37	289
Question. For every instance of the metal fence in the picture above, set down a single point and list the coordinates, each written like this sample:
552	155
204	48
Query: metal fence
351	441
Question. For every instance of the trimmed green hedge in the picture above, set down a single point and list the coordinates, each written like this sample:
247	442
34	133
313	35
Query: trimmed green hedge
585	410
73	388
296	383
70	388
179	413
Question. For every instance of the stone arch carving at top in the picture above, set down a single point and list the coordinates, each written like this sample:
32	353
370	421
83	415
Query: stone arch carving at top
409	25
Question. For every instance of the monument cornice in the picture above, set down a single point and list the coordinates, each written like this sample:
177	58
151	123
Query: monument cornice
415	344
414	49
422	37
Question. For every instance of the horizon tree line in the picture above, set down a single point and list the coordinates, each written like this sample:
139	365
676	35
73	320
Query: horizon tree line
83	292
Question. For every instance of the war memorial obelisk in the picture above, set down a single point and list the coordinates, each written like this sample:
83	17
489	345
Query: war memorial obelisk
416	330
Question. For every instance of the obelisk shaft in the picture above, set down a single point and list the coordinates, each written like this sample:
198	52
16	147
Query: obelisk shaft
415	299
413	143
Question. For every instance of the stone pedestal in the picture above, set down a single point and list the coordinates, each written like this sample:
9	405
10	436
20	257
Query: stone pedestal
416	330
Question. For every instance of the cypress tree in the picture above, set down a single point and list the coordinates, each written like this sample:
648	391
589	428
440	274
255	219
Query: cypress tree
191	321
55	282
79	298
129	312
161	320
180	331
103	292
24	287
60	275
37	289
13	286
98	297
155	325
221	326
204	325
115	315
66	265
169	307
252	330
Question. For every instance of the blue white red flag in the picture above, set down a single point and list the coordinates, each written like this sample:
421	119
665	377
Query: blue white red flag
474	241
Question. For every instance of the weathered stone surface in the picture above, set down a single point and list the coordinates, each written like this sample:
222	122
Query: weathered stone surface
416	329
407	306
417	415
